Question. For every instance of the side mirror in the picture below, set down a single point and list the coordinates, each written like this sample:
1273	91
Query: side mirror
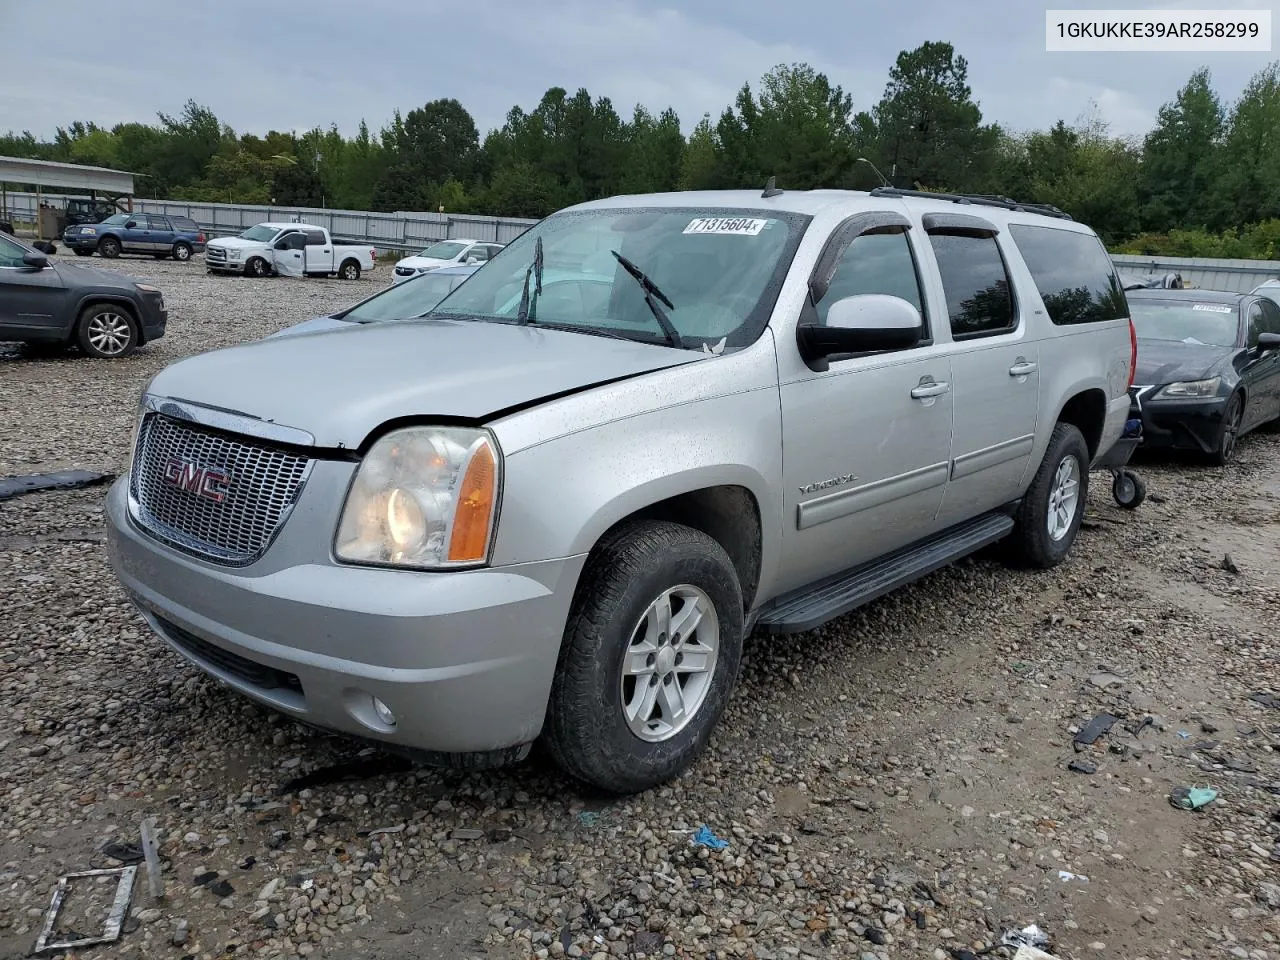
131	225
36	261
1268	341
861	324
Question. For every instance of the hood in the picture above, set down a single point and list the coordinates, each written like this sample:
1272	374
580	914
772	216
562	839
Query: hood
232	243
340	385
74	275
314	325
419	262
1171	361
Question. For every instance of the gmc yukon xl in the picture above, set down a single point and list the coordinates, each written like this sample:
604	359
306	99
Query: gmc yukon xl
553	507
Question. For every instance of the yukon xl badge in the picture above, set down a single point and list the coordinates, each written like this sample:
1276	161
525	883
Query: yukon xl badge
825	484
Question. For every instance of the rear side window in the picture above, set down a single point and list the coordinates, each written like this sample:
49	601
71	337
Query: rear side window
157	223
874	263
315	238
1076	279
184	224
976	282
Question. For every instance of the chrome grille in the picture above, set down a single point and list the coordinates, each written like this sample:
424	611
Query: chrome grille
263	484
215	255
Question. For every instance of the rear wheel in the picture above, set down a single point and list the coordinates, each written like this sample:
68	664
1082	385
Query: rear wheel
109	247
256	267
107	331
350	270
649	659
1049	516
182	251
1229	437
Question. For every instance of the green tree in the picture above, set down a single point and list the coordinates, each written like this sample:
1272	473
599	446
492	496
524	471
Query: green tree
1248	183
1180	157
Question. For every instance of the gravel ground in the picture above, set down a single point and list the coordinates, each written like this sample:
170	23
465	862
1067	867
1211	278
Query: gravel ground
893	785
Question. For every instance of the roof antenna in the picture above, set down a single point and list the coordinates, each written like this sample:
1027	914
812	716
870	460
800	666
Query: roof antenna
883	181
771	189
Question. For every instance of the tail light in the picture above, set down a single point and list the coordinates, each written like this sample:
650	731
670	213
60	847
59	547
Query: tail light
199	238
1133	353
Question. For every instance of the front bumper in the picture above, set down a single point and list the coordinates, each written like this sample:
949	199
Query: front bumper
154	317
77	241
1179	424
464	660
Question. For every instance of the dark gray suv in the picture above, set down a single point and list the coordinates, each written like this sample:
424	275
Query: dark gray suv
106	314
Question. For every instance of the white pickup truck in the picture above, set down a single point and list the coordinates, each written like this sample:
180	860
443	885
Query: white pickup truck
288	250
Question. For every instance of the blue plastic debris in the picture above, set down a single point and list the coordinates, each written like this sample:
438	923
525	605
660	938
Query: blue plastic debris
705	838
588	818
1184	735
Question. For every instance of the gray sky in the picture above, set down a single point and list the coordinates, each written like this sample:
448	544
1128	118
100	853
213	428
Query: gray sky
263	65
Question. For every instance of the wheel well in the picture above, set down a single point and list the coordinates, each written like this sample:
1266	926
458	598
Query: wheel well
727	514
1087	412
108	236
349	260
94	301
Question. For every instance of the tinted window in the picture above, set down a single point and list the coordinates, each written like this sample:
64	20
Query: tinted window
1255	324
158	223
874	263
185	224
315	238
1270	317
11	254
293	241
1076	278
974	278
480	253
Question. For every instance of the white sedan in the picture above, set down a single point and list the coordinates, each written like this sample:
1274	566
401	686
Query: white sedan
445	253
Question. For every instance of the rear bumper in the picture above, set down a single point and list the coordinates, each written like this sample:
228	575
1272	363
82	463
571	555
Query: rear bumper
464	660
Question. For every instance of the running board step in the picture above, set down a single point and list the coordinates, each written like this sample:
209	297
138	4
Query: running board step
812	606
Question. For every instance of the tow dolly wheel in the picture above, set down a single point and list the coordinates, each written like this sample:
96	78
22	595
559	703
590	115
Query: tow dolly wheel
1128	489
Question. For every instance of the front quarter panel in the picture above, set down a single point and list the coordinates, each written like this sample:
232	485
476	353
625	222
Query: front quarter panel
603	455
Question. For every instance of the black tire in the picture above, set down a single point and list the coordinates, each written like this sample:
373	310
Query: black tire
182	251
350	270
586	732
109	247
107	331
1032	544
1229	435
256	267
1128	489
83	253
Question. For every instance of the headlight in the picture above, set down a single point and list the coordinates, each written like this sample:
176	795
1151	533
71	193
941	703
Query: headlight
148	288
89	230
1190	390
423	497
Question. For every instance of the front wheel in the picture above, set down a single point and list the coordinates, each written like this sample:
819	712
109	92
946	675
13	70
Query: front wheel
256	267
109	247
1229	437
107	331
1049	516
649	658
350	270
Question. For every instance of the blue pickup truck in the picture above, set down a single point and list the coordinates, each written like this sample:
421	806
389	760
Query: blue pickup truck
160	235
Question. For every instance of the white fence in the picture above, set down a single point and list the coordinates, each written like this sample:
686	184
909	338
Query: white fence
1235	276
387	231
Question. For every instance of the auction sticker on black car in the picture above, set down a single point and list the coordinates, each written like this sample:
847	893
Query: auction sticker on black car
1210	307
739	226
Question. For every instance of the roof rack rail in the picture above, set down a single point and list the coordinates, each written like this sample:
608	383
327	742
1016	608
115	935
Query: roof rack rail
983	199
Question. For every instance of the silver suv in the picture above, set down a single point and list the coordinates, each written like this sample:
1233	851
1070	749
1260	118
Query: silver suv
555	506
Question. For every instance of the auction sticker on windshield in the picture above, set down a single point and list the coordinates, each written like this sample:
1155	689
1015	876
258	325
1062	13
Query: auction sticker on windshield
741	226
1213	308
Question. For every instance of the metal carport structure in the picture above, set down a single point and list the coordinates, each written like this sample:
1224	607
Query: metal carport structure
115	184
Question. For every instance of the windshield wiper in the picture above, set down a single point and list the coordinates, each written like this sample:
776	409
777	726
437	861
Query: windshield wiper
651	297
529	311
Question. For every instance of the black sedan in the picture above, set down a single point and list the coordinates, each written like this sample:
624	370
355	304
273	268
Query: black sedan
107	314
1208	368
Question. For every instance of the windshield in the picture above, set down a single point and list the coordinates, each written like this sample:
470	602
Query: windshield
406	300
1214	324
444	250
720	269
260	233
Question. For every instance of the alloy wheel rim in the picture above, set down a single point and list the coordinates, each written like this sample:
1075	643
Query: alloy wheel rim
1064	498
109	333
669	663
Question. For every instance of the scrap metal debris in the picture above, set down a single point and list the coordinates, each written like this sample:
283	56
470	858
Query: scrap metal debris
63	480
355	769
1095	728
151	853
115	919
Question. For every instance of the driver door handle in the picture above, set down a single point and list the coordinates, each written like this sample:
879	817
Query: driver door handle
1022	368
930	389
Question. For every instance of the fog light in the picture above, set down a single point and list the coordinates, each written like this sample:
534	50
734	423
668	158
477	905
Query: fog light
384	712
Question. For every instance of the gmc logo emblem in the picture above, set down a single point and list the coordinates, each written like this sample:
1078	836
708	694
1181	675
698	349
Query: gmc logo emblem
202	481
